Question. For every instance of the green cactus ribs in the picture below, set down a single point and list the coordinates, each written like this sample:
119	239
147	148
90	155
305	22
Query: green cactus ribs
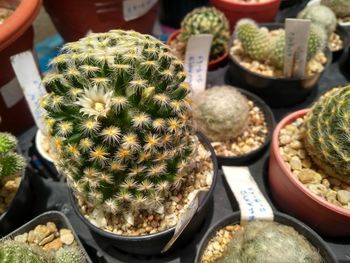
327	133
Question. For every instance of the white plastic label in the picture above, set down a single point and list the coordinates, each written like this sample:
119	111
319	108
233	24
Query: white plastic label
11	93
295	53
252	203
30	81
133	9
196	61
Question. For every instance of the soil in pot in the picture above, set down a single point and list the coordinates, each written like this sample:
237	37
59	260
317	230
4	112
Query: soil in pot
4	14
335	43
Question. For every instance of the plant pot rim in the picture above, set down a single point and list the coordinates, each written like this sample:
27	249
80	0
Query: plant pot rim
231	218
16	24
268	114
111	235
326	52
247	4
212	64
275	148
38	143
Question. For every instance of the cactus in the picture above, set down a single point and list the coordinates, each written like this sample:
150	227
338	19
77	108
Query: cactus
255	41
221	113
119	116
206	20
269	242
11	163
320	15
13	251
340	7
70	255
327	133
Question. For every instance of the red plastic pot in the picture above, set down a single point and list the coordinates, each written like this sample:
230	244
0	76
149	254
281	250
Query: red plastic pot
235	10
16	35
213	64
293	197
73	19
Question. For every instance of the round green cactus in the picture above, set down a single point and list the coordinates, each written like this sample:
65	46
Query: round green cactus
320	15
255	41
221	113
207	20
13	251
119	117
327	133
269	242
340	7
70	255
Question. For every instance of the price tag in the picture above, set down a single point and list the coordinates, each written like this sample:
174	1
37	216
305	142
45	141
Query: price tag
30	81
295	52
252	203
133	9
196	61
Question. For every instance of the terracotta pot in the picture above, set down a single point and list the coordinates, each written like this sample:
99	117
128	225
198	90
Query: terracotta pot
16	35
292	196
73	19
213	64
260	12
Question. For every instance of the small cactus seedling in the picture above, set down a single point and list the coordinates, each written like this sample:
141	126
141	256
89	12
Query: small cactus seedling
221	113
70	255
269	242
340	7
320	15
327	133
206	20
11	163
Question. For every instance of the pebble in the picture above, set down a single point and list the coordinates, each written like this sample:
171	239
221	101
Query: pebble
343	197
47	239
307	176
21	238
56	244
295	163
40	232
8	189
66	236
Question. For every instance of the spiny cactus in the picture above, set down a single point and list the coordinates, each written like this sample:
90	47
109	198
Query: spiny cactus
207	20
320	15
13	251
11	163
328	132
270	242
255	41
119	116
70	255
340	7
221	113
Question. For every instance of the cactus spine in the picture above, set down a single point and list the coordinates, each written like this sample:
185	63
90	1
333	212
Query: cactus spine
13	251
340	7
207	20
266	242
221	113
118	114
70	255
327	133
11	163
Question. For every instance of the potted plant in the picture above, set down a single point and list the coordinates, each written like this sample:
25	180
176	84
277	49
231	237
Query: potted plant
48	237
311	168
118	114
204	20
238	123
257	61
340	7
258	10
16	35
74	19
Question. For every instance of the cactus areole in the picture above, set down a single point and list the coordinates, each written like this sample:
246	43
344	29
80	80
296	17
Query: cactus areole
118	115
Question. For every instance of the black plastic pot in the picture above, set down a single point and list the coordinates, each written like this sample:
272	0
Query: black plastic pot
276	92
344	36
249	158
154	243
56	217
281	218
19	210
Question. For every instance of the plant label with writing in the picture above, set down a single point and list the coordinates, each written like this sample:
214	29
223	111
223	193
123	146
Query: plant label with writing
252	203
29	79
196	61
133	9
295	52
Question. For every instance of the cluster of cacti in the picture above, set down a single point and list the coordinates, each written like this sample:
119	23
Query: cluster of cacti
270	242
11	163
221	113
327	138
320	15
259	45
207	20
119	116
70	255
340	7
